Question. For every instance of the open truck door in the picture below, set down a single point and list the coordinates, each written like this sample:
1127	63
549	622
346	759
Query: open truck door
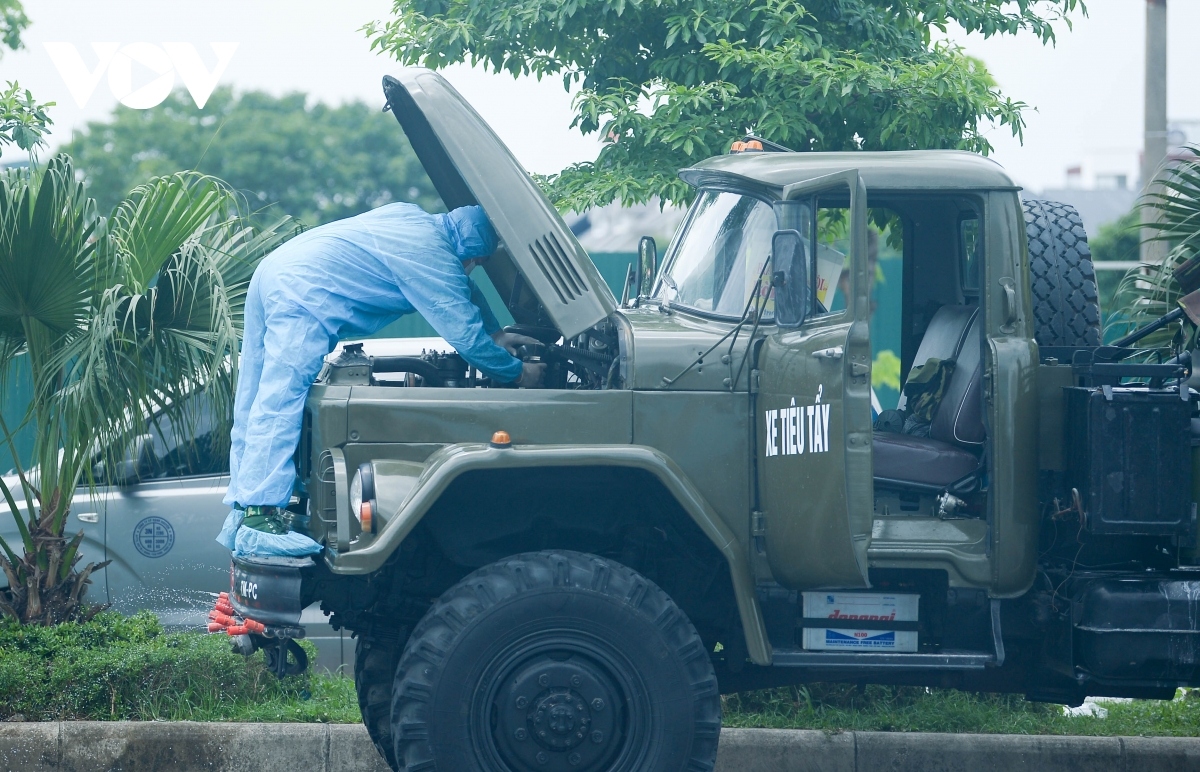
813	420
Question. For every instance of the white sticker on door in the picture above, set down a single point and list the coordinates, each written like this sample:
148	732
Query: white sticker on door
798	429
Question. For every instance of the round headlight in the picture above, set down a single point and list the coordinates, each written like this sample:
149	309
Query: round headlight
362	496
356	497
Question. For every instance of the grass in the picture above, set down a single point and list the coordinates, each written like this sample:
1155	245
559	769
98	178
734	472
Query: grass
130	668
840	707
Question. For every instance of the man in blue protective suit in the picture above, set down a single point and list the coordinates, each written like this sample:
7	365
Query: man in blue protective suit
347	278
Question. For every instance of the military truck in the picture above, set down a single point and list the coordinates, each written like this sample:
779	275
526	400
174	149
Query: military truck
701	501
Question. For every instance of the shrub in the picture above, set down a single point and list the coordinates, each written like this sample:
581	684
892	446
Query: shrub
114	667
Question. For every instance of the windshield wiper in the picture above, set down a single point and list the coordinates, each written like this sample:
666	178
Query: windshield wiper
746	315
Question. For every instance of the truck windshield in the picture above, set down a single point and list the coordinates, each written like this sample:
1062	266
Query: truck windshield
719	254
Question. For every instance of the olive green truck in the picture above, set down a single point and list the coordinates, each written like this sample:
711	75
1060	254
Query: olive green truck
701	499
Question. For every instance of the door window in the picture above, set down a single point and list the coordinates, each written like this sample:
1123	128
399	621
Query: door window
829	267
192	443
187	450
970	250
196	442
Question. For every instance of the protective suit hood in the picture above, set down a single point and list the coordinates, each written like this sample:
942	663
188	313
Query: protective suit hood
471	235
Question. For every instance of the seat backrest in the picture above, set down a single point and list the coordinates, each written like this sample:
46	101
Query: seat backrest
943	337
959	416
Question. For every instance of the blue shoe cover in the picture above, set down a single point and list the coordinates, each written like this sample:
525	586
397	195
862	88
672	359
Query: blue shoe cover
226	538
291	544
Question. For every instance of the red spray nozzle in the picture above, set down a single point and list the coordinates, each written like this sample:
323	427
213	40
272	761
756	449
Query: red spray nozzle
221	619
248	626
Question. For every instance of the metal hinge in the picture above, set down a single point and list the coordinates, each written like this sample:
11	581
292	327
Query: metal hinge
758	523
754	381
858	369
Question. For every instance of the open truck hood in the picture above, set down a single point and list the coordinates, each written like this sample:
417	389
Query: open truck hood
539	261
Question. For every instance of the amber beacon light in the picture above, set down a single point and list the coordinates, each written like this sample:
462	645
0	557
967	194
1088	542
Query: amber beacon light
501	440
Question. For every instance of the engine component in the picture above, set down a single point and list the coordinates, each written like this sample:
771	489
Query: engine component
350	366
434	368
547	336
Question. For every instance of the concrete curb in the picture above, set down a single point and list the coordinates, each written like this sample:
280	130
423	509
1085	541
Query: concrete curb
127	746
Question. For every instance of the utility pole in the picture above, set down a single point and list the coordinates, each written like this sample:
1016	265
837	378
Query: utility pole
1154	147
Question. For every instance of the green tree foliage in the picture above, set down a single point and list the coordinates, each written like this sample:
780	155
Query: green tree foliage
314	162
117	318
1116	240
13	22
23	120
1144	296
670	82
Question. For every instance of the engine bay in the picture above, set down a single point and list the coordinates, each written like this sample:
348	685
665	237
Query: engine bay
589	361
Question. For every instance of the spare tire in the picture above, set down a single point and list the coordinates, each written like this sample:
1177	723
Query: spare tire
1066	305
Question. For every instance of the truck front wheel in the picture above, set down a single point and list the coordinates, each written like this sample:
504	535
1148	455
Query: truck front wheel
556	661
374	670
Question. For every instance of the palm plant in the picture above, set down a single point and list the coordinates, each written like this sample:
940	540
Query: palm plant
1146	295
118	318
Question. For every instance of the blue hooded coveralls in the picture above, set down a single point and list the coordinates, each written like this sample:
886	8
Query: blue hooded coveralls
346	278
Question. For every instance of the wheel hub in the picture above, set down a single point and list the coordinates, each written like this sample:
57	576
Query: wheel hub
558	715
559	719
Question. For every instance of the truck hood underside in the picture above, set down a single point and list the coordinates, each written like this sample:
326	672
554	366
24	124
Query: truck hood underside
540	261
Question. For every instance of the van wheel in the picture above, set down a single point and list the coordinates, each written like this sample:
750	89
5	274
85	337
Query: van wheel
556	661
1066	305
374	671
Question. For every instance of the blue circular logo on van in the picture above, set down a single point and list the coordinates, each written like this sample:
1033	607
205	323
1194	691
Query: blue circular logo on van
153	537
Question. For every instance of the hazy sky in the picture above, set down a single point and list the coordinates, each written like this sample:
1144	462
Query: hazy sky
1087	91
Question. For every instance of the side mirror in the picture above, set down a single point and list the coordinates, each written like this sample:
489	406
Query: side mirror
647	265
789	277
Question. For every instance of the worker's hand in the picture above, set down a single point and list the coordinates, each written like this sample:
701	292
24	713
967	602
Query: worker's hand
531	375
510	340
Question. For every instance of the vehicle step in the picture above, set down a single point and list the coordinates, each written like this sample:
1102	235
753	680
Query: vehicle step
945	660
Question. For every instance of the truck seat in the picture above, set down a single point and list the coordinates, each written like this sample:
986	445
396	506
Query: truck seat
956	432
919	461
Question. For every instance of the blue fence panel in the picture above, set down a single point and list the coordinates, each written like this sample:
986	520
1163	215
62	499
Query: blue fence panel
15	401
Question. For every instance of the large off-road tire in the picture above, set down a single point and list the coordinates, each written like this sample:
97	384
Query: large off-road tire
555	661
1066	305
374	671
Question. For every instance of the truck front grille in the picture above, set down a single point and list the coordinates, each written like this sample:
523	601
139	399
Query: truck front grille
324	498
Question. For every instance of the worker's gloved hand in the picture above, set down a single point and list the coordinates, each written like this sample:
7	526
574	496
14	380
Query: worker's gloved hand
531	374
510	340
